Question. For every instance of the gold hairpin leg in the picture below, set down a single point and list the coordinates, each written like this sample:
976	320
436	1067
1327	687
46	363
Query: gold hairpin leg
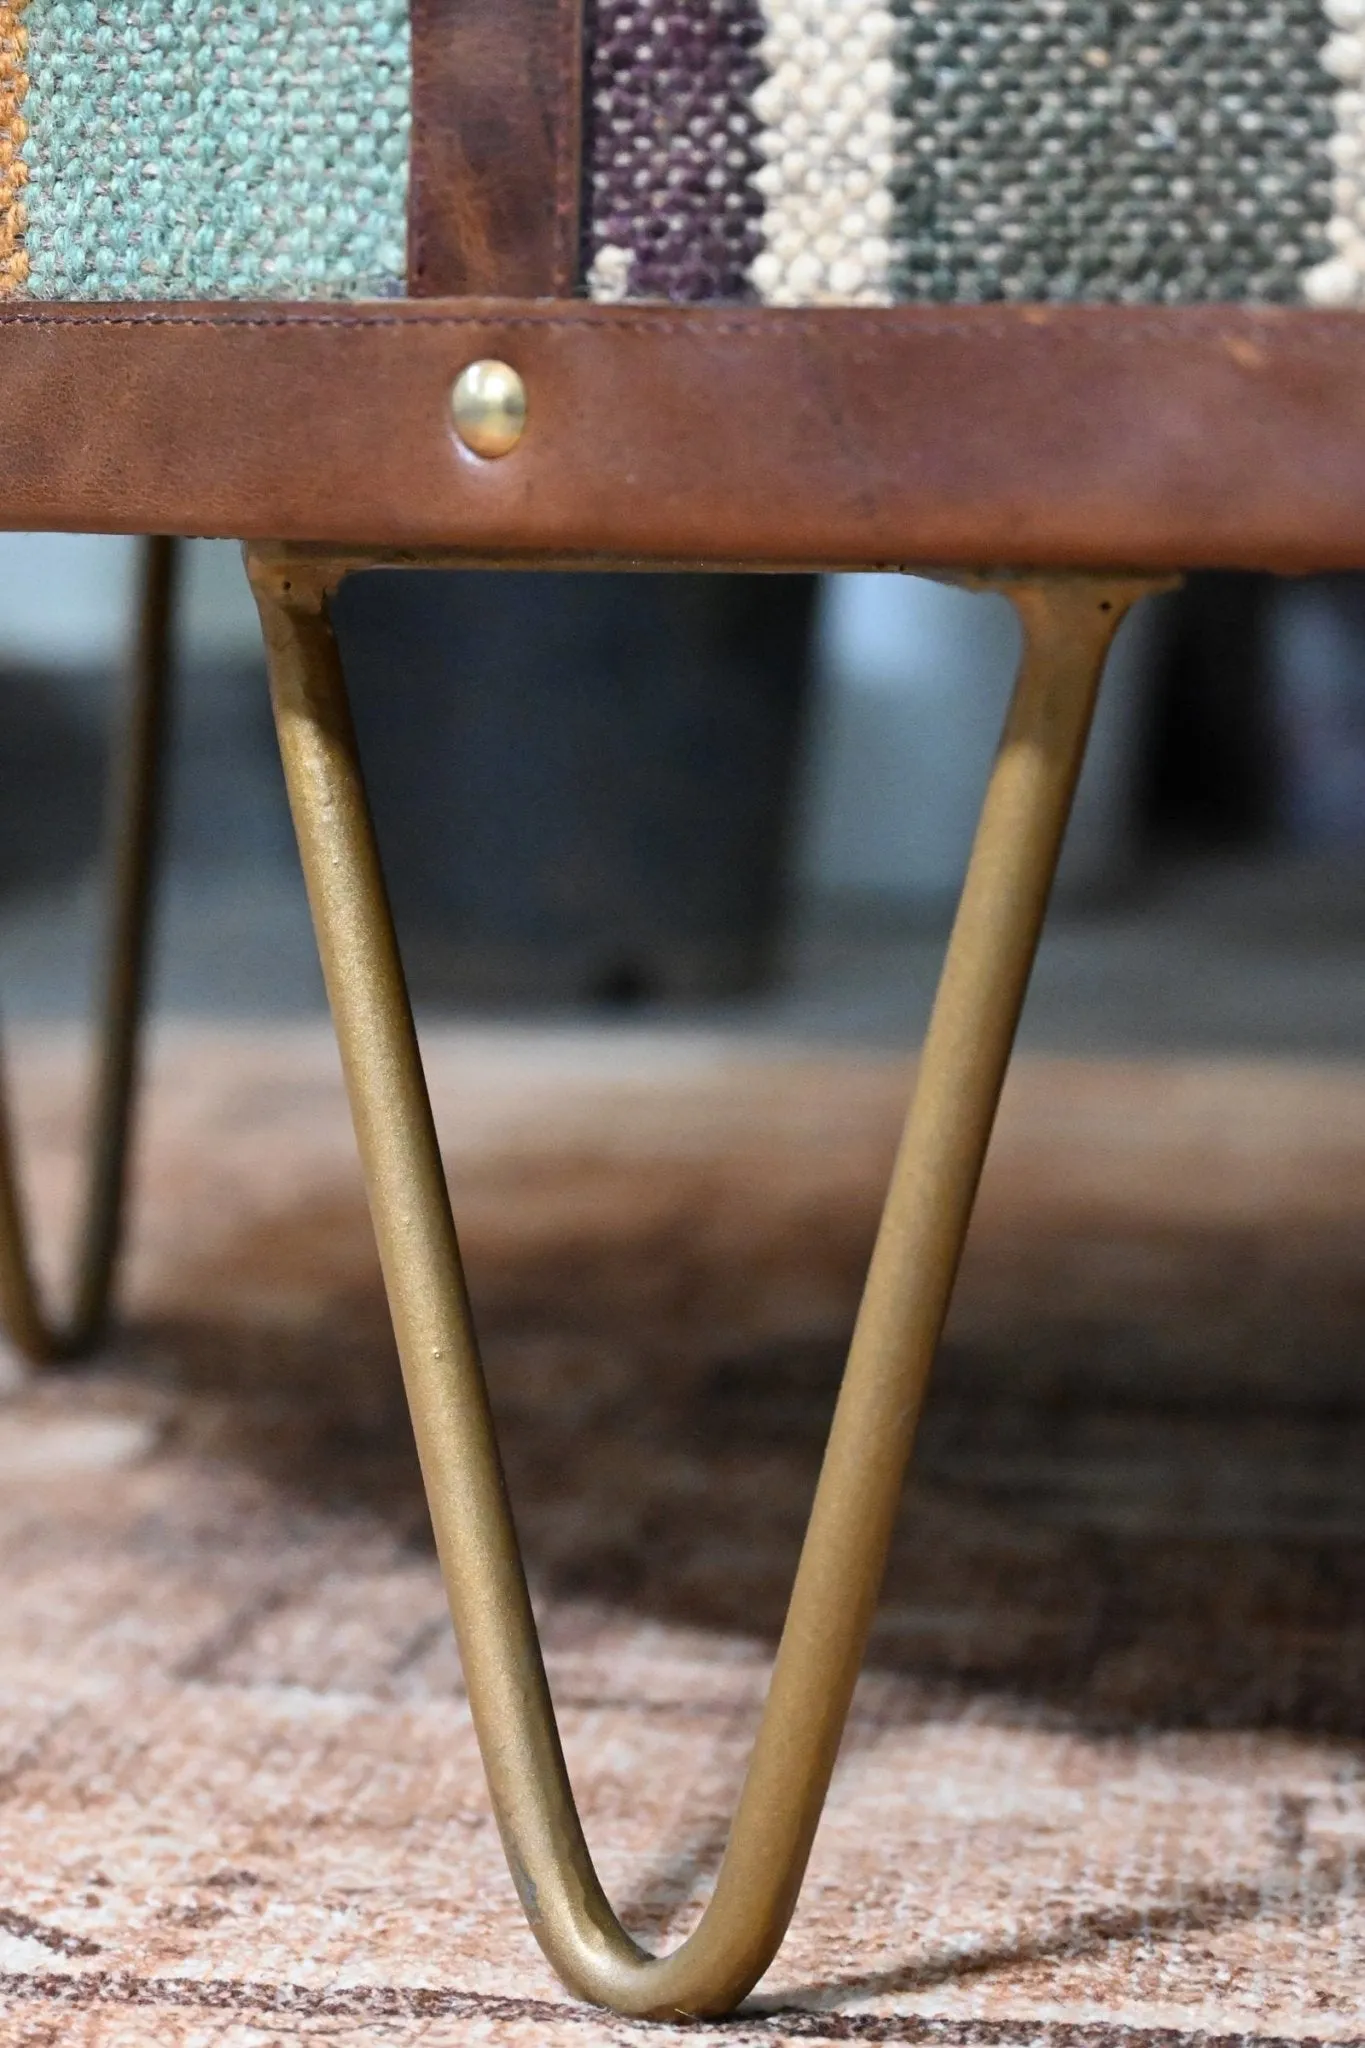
131	847
1069	622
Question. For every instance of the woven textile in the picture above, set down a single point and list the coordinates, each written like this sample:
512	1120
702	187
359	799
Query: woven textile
1155	151
826	106
13	130
1340	281
187	149
672	130
796	152
1164	150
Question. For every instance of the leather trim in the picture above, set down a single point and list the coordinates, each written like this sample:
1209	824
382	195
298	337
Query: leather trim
1084	437
494	200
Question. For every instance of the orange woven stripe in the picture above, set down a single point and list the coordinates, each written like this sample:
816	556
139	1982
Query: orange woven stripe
13	135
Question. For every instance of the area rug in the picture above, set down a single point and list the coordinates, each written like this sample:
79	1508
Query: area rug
1104	1782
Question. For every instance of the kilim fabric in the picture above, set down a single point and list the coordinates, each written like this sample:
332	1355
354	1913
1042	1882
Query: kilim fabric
1163	151
1340	281
191	149
1104	1780
794	152
13	133
827	109
672	154
1146	151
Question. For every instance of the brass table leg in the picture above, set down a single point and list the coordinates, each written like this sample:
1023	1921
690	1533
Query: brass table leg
1069	622
131	849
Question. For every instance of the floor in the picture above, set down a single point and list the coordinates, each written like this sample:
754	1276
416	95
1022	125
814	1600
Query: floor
1103	1785
1263	956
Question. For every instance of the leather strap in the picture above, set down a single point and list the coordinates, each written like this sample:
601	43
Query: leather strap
497	155
1089	437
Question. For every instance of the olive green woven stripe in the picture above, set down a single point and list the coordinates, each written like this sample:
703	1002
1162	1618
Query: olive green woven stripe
13	135
1159	151
192	149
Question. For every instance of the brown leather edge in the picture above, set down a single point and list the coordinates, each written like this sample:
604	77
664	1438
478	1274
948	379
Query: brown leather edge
496	169
1082	437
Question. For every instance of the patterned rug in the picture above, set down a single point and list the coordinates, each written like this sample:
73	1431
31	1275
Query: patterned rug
1104	1785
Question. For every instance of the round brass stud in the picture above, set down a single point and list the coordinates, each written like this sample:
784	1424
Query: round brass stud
489	405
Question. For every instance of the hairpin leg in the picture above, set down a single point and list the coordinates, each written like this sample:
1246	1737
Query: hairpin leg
1069	622
131	850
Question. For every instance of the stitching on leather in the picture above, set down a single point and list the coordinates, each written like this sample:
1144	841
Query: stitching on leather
1326	327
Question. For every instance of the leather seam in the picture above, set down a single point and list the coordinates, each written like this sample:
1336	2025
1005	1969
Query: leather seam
760	322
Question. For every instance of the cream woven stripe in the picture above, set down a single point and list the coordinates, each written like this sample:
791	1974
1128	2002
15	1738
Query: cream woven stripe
1340	281
827	139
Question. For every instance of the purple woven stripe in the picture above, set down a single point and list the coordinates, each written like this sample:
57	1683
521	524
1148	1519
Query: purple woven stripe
672	146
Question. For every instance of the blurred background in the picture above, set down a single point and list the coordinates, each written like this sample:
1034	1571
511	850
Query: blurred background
745	801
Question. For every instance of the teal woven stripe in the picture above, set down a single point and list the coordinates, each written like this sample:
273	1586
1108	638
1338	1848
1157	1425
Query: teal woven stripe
212	149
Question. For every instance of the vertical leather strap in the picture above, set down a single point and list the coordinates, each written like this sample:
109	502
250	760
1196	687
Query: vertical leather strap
496	153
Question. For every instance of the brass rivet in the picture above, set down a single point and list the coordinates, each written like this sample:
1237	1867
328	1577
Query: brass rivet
489	404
